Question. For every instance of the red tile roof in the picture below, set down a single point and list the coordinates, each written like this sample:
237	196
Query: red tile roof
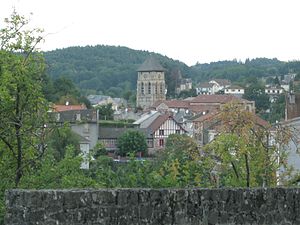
216	99
207	116
214	114
62	108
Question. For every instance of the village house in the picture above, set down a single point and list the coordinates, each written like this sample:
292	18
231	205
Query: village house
235	90
205	89
274	92
97	100
66	107
184	85
156	127
219	85
84	123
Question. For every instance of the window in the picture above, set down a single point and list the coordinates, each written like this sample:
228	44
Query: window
177	131
161	142
142	88
161	132
156	88
78	116
86	128
149	88
161	89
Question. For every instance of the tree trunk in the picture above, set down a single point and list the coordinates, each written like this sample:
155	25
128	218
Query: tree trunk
19	139
248	170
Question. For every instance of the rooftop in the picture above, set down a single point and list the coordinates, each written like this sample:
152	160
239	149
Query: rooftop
151	64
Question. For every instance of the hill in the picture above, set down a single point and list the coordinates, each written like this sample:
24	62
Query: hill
106	69
111	70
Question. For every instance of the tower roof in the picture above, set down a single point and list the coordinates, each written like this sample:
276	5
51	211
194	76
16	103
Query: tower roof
150	64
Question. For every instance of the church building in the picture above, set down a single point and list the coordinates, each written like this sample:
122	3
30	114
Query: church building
150	83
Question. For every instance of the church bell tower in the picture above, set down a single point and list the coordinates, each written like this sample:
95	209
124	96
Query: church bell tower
150	83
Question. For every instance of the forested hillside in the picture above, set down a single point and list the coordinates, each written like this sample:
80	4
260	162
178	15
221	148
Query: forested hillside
111	70
106	69
239	71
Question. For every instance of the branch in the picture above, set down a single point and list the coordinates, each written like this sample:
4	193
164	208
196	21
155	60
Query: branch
9	146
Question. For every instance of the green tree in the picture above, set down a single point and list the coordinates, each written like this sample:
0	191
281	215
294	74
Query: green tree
244	149
105	112
66	173
64	87
23	107
132	141
256	93
60	138
180	164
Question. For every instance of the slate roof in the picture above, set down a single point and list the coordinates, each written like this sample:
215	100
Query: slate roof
205	85
159	121
214	114
151	64
86	115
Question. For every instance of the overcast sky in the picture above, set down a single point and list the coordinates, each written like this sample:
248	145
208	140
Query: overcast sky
187	30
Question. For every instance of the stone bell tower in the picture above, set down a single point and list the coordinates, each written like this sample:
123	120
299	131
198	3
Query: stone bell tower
150	83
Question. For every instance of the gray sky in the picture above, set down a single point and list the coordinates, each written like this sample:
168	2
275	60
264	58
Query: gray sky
187	30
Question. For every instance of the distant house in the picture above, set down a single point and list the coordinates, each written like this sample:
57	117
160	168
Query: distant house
160	129
66	107
201	104
185	84
292	109
274	90
171	105
109	137
82	122
220	84
287	78
292	148
205	89
285	86
235	90
207	126
97	100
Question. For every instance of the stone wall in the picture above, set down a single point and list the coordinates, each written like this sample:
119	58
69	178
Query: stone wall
154	206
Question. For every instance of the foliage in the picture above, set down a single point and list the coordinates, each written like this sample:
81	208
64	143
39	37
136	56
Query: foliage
117	123
99	150
131	141
63	174
249	153
23	107
105	112
277	110
187	93
256	92
181	147
60	138
106	70
181	165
